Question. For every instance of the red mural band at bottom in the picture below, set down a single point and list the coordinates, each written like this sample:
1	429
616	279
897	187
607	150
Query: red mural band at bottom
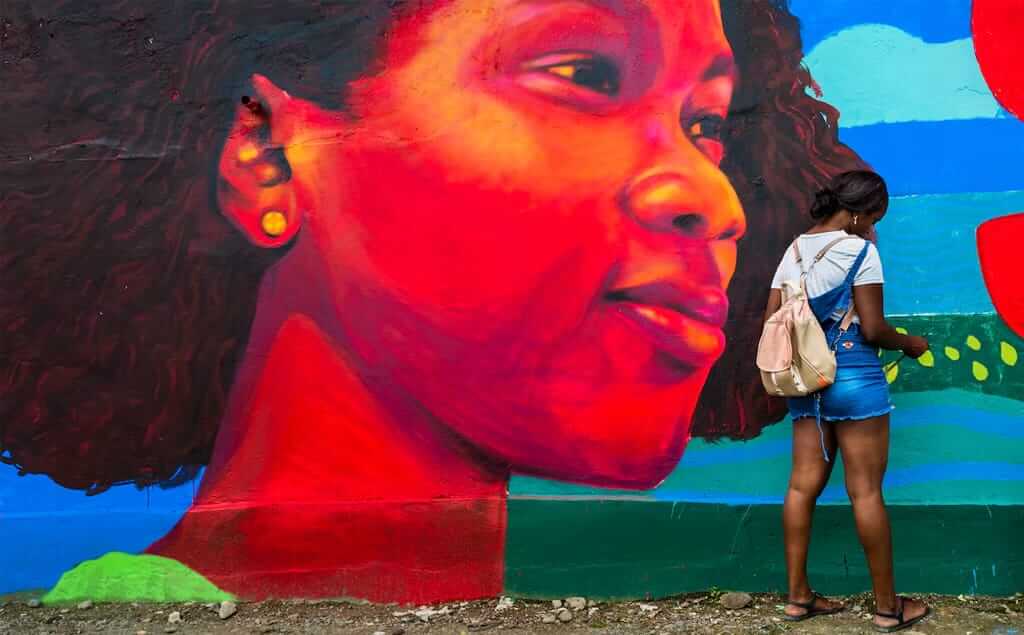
381	551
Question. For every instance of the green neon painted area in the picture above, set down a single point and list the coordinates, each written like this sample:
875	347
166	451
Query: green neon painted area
121	577
970	352
616	549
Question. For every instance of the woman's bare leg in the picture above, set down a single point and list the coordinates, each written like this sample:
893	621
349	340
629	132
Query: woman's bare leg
865	449
807	479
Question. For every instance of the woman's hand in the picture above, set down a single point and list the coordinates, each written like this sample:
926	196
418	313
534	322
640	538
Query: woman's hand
915	346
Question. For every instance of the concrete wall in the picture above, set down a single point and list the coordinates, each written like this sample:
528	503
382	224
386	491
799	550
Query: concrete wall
312	300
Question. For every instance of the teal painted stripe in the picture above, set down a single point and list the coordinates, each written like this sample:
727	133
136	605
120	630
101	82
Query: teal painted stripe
948	447
929	254
640	549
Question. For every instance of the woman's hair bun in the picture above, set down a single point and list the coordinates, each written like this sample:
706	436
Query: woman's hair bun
825	203
860	191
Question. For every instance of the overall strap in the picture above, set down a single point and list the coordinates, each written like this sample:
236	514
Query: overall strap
850	277
824	305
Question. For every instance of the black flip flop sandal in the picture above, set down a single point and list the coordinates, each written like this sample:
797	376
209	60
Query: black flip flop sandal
810	610
900	623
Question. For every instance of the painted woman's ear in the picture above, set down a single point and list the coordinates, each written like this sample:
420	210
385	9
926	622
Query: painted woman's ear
255	189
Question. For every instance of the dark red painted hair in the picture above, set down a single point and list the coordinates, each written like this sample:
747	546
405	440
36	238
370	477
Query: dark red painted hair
127	300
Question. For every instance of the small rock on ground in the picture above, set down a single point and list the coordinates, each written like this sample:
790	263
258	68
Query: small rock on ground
227	609
565	615
86	605
576	603
504	604
736	601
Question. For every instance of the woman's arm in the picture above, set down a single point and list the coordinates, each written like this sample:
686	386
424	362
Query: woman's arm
870	309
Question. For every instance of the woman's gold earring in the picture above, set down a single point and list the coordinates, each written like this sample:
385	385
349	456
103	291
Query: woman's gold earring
273	223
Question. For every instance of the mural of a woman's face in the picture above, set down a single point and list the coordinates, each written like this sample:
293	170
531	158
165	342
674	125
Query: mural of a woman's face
520	222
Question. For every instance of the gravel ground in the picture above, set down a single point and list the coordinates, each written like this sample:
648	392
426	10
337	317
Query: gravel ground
698	613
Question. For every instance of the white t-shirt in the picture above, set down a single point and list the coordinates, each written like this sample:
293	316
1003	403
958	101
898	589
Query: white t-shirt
831	271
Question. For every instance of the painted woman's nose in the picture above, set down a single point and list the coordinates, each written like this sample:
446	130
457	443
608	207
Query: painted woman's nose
671	202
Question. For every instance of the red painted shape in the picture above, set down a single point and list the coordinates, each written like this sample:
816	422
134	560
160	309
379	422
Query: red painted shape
997	26
1000	242
383	551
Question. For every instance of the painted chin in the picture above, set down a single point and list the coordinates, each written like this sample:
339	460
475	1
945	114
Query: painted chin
637	471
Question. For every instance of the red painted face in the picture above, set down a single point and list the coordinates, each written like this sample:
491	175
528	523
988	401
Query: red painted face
523	225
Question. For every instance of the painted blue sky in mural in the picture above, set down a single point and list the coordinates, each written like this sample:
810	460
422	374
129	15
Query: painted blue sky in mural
918	109
930	20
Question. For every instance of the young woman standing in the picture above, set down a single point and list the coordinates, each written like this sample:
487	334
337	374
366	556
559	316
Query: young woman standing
840	265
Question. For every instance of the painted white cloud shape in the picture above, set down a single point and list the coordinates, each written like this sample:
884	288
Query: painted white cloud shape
875	73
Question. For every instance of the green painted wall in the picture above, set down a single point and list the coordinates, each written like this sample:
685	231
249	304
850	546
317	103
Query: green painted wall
633	548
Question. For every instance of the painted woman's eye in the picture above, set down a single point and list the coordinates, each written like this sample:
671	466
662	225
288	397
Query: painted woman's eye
707	133
592	72
706	127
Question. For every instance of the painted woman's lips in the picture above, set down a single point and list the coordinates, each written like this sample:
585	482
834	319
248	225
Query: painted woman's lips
684	322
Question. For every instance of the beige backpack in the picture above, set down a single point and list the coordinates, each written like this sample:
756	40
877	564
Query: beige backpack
793	355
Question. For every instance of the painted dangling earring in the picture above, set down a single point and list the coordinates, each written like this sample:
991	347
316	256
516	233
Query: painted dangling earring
273	223
855	218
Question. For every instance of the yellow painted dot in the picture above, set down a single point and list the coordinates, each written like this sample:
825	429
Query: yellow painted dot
979	371
927	360
248	152
973	343
1008	353
273	223
901	330
892	372
952	353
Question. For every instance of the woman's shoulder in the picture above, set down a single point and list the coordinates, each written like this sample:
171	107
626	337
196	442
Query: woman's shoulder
123	577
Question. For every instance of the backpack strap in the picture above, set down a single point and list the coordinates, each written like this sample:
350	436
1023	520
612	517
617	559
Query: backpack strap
820	254
796	250
826	248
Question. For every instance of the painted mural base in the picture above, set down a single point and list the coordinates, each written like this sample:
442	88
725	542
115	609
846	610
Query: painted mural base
626	549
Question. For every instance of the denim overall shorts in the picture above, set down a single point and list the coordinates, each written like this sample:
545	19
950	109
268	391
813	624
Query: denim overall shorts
860	390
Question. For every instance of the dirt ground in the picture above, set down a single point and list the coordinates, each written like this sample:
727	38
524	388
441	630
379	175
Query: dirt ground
699	613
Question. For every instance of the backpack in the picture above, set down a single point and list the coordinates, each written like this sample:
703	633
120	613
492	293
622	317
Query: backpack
793	355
